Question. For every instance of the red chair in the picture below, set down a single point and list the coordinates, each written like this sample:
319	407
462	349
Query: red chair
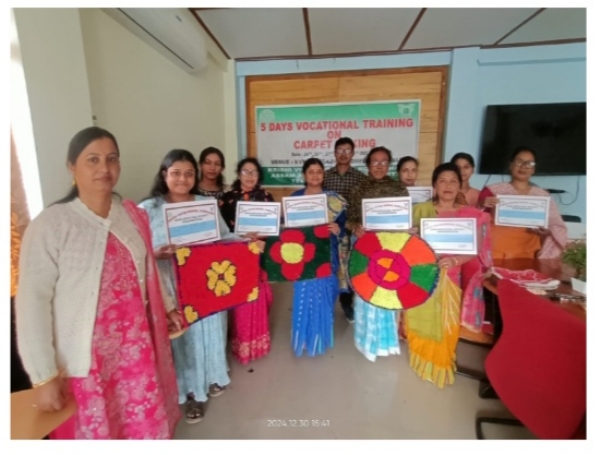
538	365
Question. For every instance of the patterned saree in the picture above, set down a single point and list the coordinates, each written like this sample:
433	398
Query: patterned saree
432	329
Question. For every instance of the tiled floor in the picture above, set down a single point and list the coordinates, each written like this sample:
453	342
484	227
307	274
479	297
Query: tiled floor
341	395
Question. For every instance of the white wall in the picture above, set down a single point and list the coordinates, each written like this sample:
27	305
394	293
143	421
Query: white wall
150	104
231	126
52	54
522	75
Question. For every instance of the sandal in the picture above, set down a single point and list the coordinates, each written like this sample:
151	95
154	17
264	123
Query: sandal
194	410
215	390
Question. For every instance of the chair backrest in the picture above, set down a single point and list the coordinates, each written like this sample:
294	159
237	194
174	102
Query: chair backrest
575	231
538	365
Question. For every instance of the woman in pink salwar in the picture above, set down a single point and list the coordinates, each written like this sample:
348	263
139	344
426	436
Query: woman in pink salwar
92	317
518	242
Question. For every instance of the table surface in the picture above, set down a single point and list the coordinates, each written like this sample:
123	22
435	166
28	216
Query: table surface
553	268
27	422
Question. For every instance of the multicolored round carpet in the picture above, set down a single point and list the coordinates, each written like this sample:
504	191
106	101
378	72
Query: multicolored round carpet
393	270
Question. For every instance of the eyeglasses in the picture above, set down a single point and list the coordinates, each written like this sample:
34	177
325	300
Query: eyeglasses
525	164
249	172
343	151
380	163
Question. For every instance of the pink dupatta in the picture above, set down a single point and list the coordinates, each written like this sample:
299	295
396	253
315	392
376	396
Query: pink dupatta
157	320
473	272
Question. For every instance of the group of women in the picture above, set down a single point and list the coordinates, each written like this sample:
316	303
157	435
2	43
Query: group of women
97	297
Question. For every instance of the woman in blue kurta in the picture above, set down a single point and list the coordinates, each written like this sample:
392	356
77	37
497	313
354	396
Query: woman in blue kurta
200	353
314	300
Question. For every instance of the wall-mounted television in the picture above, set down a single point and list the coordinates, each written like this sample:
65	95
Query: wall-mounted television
556	132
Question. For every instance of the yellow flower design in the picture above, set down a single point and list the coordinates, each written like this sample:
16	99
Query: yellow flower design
292	253
182	255
191	315
221	277
253	246
253	295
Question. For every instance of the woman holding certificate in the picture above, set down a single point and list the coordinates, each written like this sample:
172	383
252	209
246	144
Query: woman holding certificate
251	335
91	315
522	242
200	353
376	329
432	328
314	300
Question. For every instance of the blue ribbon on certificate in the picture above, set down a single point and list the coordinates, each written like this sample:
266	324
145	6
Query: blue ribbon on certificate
259	222
203	226
299	216
387	219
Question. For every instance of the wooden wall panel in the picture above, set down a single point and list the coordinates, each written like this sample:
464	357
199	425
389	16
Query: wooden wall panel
425	84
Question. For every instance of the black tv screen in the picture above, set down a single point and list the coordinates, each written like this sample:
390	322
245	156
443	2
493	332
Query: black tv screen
556	132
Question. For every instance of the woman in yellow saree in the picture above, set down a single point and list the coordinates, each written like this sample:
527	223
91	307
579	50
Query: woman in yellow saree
432	329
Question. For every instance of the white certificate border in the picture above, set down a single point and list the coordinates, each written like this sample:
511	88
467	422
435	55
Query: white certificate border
421	188
387	200
180	205
240	204
452	220
285	200
520	198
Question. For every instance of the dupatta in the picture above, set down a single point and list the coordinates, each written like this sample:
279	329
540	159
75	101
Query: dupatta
157	319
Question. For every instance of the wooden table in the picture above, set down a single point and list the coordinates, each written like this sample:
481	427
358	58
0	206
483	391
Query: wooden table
27	422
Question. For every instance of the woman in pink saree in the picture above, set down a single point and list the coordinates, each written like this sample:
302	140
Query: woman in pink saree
92	317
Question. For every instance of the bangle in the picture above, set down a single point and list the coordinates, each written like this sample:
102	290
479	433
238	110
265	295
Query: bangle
39	384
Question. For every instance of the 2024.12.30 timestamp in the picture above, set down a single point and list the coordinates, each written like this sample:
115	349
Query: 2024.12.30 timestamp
301	423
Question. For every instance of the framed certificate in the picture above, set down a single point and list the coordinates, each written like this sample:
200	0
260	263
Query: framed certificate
305	210
450	235
192	222
260	217
420	193
387	214
522	211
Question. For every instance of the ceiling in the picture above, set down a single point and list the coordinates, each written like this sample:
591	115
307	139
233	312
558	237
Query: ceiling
277	33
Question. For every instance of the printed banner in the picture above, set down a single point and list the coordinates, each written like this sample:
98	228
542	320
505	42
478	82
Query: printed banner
288	135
